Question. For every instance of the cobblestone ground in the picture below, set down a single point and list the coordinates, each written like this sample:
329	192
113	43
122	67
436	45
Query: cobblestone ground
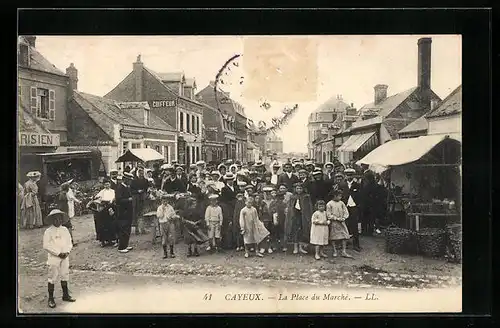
370	268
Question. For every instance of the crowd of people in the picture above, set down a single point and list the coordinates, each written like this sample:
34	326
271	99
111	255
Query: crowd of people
246	207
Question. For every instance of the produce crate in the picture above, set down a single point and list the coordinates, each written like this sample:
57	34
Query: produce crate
400	241
431	242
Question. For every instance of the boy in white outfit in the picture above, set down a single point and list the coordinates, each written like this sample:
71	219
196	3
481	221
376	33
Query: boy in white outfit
58	244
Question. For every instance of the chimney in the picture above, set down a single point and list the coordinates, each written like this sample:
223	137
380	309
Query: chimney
24	54
138	68
31	40
380	93
72	73
434	103
424	70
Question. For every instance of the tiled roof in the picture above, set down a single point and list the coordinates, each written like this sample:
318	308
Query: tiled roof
419	125
449	106
389	104
158	76
173	77
105	113
27	123
39	62
394	125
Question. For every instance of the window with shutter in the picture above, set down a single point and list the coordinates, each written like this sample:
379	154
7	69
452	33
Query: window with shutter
34	101
52	105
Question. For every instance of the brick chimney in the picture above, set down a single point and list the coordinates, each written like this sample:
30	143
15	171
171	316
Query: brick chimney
380	93
424	71
31	40
72	73
24	53
138	68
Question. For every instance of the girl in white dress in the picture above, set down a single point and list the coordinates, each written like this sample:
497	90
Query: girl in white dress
337	213
319	229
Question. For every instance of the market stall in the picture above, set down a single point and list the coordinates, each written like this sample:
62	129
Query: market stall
83	167
425	178
146	156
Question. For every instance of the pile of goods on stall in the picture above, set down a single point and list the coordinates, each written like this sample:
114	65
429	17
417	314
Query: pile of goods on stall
85	192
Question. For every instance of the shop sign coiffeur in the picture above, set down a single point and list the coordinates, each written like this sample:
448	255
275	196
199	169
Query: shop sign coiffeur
38	140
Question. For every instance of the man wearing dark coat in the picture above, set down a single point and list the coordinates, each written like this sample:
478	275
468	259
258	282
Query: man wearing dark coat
287	177
139	188
318	188
172	184
123	197
351	197
181	176
227	201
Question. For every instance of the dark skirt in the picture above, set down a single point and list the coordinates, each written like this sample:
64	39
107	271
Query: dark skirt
227	233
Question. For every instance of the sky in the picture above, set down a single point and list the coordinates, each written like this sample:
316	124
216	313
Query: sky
303	70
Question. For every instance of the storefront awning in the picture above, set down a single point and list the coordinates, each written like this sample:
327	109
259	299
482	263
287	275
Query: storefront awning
402	151
140	155
353	143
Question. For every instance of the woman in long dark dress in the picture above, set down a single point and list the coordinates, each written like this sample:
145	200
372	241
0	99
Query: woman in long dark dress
106	215
298	219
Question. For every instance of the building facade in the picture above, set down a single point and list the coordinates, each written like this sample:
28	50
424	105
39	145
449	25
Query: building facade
213	139
228	113
381	120
171	98
320	122
42	103
274	144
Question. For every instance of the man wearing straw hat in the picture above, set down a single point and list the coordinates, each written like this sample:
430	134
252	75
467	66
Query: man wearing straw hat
57	243
124	204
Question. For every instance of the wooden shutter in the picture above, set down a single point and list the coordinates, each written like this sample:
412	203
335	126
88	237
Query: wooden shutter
34	102
52	105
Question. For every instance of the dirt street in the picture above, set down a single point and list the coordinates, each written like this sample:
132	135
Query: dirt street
94	266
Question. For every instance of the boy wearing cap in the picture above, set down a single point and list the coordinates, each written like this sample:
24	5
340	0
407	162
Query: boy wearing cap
166	216
58	244
213	219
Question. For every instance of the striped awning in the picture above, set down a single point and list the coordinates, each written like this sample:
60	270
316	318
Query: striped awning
355	142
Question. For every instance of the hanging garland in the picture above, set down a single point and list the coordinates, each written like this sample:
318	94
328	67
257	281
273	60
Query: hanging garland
276	122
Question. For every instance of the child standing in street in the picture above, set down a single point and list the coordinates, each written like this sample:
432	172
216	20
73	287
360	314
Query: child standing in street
192	220
58	244
213	219
166	217
252	228
319	229
337	213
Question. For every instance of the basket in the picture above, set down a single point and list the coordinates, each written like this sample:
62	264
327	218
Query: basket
399	240
454	242
431	242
